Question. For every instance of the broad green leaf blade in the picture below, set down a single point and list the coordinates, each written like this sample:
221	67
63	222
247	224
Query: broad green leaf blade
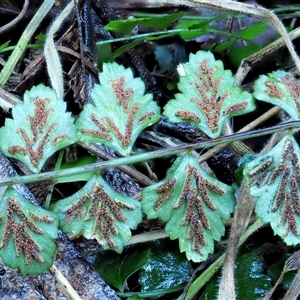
27	233
120	110
279	88
237	54
167	268
208	95
126	26
39	128
193	204
274	179
250	281
252	31
100	213
116	268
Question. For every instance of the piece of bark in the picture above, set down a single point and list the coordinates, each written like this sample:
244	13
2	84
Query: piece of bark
80	274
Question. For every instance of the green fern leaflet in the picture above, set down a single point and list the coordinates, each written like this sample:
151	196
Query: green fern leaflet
26	234
208	95
39	128
192	204
100	213
120	110
274	179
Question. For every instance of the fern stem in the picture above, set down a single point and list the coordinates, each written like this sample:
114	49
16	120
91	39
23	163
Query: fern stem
148	156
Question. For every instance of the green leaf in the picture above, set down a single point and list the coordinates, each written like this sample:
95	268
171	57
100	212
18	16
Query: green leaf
251	278
274	179
106	54
237	54
120	110
281	89
200	27
4	46
208	95
250	281
117	268
126	47
126	26
252	31
193	204
83	161
27	233
39	128
224	45
99	213
167	268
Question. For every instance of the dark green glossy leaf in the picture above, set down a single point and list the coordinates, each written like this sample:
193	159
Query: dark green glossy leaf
167	268
100	213
192	204
27	234
116	268
250	281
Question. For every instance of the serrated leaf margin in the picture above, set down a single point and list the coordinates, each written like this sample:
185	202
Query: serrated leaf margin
27	234
120	110
279	88
99	212
175	206
208	95
274	180
40	127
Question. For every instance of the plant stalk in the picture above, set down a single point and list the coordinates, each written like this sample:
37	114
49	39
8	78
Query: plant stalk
148	156
211	270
